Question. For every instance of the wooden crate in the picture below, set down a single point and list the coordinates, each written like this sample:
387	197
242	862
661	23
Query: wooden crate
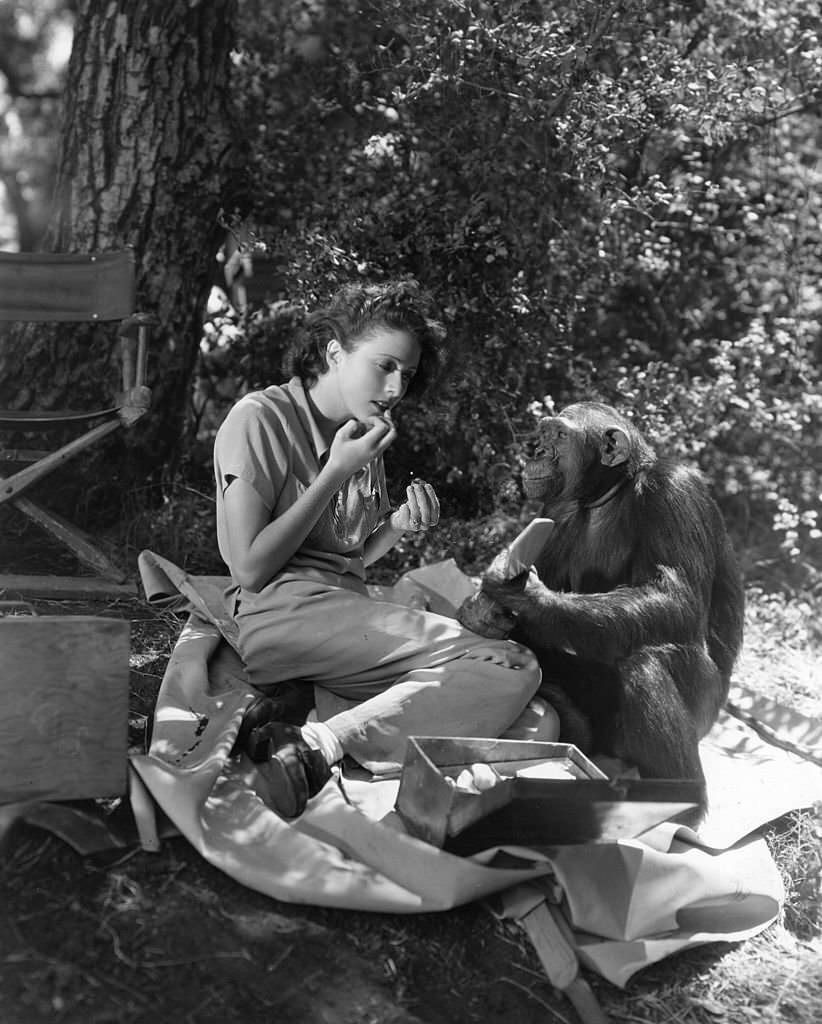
64	685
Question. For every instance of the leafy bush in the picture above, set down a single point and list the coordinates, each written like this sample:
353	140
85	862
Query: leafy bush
611	200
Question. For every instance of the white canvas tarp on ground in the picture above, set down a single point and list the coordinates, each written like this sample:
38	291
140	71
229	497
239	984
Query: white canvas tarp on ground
629	903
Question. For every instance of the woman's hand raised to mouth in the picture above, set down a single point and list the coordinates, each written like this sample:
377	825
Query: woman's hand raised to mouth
357	443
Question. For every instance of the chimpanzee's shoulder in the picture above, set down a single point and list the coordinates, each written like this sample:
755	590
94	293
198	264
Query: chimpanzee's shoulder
673	482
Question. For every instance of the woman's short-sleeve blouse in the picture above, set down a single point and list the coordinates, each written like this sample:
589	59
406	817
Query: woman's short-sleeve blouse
270	440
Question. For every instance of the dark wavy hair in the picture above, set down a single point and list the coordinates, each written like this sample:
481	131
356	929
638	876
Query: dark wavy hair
357	309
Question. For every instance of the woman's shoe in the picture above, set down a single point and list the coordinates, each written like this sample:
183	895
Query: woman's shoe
292	771
252	737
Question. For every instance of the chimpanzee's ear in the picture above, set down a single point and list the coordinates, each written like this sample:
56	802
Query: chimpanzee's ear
615	447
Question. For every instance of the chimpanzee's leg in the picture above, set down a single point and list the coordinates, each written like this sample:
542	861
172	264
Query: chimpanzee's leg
654	728
584	695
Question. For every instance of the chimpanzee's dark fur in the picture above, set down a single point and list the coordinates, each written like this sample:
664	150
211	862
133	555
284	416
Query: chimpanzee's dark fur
637	615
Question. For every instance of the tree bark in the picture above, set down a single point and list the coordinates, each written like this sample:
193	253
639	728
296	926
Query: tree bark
146	158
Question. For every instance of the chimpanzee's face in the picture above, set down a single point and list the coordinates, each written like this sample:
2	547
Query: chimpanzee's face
557	456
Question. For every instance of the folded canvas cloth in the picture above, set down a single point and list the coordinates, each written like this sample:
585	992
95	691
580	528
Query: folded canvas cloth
630	902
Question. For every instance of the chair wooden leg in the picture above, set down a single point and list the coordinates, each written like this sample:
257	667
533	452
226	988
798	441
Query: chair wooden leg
13	485
74	538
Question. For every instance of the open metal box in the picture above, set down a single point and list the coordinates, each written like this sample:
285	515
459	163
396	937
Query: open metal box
548	794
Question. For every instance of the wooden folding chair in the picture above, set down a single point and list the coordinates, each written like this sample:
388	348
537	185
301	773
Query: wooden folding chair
48	287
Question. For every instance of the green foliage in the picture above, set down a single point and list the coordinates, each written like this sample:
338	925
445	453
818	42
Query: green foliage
749	421
617	199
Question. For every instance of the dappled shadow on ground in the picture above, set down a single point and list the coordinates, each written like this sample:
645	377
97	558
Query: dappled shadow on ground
131	936
167	937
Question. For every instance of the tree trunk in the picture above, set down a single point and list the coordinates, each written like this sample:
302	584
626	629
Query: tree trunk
146	153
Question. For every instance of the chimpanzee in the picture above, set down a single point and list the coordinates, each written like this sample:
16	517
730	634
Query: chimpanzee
635	606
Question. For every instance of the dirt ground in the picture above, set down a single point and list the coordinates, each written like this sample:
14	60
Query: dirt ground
165	937
129	937
133	937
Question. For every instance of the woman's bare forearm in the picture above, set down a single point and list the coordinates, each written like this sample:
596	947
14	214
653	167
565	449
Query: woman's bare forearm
381	540
271	547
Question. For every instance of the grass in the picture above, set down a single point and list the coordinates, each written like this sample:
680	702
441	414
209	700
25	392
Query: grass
133	937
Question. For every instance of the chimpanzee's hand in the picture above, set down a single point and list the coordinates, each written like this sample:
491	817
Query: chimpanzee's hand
512	594
481	614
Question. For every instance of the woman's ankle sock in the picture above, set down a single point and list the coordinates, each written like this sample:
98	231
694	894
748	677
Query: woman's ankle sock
319	737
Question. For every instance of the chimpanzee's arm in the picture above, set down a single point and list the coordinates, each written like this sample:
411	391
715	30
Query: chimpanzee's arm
666	600
608	626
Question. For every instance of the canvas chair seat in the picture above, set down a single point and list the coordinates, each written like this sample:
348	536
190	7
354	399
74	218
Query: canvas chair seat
71	288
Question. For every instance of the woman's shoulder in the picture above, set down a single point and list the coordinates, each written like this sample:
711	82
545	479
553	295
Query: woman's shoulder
266	404
274	396
262	417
